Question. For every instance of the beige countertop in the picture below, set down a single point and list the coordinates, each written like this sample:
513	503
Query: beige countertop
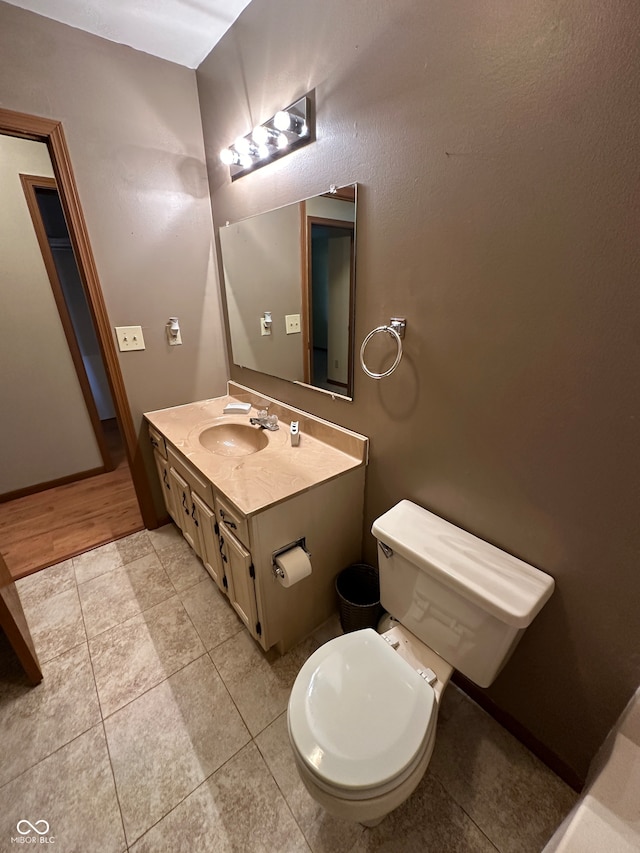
273	474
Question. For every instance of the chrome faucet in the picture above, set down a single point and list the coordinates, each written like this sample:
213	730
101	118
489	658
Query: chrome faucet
264	420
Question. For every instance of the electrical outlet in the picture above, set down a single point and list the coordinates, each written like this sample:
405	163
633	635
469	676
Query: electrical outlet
129	338
292	323
264	328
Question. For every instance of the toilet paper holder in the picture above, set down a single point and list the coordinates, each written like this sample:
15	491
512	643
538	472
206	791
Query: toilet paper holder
277	571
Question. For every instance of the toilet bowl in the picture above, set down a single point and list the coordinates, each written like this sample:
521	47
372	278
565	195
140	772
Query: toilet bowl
362	721
363	710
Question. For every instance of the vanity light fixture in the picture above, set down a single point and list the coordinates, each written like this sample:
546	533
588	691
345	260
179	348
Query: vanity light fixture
287	130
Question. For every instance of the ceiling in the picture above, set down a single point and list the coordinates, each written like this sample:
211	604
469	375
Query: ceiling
182	31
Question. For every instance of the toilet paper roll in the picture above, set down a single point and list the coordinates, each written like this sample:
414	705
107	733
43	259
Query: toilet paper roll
295	565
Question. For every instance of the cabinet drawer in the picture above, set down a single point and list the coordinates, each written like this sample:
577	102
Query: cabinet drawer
158	442
196	481
231	520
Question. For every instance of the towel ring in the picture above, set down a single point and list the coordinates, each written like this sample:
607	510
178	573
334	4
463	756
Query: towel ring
396	330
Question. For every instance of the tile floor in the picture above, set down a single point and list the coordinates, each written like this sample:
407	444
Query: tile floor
161	726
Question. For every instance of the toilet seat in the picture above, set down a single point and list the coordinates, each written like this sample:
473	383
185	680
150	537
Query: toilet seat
360	717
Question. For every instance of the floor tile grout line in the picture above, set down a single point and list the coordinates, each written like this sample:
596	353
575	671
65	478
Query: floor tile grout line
60	654
25	597
132	616
195	627
26	608
135	615
448	793
49	754
99	548
233	701
153	687
278	786
115	785
123	562
266	726
173	808
101	575
190	793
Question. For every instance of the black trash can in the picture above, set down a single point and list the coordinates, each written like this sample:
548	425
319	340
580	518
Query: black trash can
358	589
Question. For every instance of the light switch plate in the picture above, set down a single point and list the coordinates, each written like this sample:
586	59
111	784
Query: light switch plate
292	323
129	338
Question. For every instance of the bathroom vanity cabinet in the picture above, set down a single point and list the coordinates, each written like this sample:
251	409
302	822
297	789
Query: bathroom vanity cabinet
238	511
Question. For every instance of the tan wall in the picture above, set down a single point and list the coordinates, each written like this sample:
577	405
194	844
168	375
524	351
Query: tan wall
134	133
496	150
46	429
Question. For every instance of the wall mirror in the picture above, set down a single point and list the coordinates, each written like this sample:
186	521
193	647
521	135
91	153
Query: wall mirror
289	279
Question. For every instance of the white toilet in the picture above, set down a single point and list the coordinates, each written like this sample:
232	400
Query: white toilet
363	710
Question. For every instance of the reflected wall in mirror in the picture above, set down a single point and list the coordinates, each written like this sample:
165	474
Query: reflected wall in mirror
295	265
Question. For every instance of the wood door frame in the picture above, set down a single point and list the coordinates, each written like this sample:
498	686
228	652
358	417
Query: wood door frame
51	133
14	625
30	183
345	225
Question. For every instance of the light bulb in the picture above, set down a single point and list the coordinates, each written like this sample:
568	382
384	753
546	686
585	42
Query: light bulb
228	156
282	141
246	160
242	145
263	152
260	135
304	130
282	120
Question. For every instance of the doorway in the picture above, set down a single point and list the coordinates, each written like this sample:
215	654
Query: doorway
52	234
329	283
117	429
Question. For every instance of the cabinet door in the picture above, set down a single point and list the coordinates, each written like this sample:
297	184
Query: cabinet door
167	491
185	510
209	544
242	590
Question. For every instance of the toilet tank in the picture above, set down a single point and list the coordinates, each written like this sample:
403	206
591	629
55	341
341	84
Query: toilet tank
466	599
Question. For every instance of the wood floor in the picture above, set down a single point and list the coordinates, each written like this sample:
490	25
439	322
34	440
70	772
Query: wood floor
45	528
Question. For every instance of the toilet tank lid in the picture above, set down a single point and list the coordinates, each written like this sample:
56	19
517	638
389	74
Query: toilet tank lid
503	585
